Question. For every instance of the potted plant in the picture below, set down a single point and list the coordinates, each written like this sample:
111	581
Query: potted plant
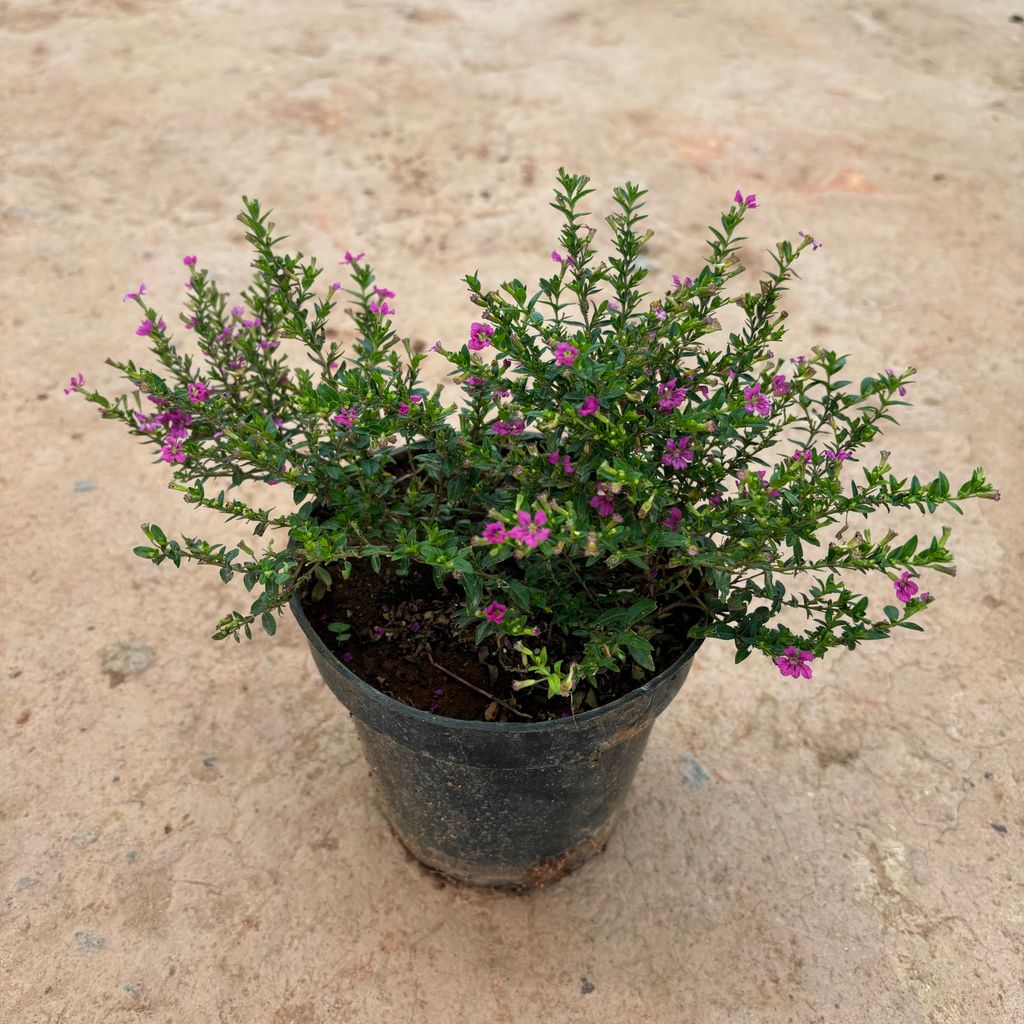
507	581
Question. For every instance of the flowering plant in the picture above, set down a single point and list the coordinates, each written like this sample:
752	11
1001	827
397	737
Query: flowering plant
607	484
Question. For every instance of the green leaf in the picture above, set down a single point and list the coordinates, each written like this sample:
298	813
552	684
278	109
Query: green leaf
269	623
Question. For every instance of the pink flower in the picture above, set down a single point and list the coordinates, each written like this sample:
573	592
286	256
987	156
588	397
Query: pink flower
555	458
557	256
750	202
403	409
349	258
474	382
754	402
198	392
814	243
495	611
530	531
75	384
837	456
135	295
436	347
254	322
803	455
565	354
798	360
381	309
670	397
795	663
384	293
678	454
336	286
612	304
145	328
189	261
672	520
660	313
346	416
172	449
494	533
506	428
905	587
480	336
686	282
779	384
591	404
603	501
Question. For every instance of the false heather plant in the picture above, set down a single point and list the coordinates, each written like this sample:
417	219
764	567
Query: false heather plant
611	471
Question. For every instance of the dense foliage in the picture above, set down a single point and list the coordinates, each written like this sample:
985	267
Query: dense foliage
614	469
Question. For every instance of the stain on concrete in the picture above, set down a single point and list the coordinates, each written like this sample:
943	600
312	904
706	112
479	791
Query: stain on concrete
89	942
119	661
695	775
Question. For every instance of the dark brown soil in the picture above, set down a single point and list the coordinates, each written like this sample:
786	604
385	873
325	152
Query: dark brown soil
402	642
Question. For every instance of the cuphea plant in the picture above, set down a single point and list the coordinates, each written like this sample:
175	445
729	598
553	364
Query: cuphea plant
613	472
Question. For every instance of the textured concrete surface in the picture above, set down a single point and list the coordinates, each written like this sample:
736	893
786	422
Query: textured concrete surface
187	830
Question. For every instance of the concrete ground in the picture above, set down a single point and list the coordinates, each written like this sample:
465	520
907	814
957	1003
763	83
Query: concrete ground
187	830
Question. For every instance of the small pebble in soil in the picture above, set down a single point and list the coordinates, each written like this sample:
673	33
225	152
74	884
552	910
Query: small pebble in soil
1001	829
84	486
587	986
26	883
86	838
209	762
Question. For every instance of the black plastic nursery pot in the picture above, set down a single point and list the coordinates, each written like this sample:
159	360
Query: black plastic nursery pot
500	804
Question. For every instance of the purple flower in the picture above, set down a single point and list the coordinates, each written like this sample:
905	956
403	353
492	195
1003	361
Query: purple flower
480	336
686	282
672	519
837	456
902	390
660	313
436	347
349	258
905	587
474	382
336	286
803	455
795	663
384	293
750	202
75	384
254	322
495	612
779	384
198	392
505	428
612	304
565	354
189	261
238	310
814	243
135	295
798	360
557	256
754	402
604	501
381	309
670	396
494	533
403	409
678	454
555	458
346	416
591	404
145	328
530	530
